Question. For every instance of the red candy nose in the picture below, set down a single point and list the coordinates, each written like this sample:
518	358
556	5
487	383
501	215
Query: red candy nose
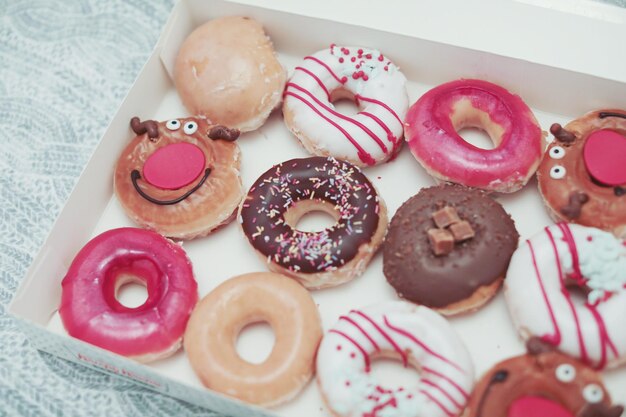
174	166
537	407
605	157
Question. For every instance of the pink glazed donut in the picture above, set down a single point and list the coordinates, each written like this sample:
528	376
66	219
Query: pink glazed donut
91	312
432	124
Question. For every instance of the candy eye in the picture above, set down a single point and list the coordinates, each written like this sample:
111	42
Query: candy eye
557	172
172	124
190	128
556	152
593	393
565	373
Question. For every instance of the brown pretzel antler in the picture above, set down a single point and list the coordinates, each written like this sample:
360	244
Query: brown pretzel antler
224	133
149	126
561	134
576	201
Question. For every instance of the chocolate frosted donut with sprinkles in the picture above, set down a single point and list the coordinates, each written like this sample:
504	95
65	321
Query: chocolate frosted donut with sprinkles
281	196
371	136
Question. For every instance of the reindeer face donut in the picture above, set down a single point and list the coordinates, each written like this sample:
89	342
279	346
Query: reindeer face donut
378	88
434	120
420	338
539	283
583	176
282	195
543	383
180	177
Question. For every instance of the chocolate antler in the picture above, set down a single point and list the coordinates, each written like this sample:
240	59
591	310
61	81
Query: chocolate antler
224	133
600	410
576	201
150	126
561	134
535	346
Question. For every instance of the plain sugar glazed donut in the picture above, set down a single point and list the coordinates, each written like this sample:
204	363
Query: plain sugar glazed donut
91	312
416	335
539	284
180	177
227	70
371	136
542	383
583	177
431	130
283	194
257	297
448	248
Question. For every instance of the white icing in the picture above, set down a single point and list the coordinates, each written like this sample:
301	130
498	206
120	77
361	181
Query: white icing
173	124
385	85
593	393
557	172
556	152
190	128
351	391
602	263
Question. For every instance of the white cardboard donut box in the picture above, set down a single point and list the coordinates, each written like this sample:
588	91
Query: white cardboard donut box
555	94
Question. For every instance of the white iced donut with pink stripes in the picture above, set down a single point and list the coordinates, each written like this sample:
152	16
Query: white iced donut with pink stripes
539	291
378	88
414	334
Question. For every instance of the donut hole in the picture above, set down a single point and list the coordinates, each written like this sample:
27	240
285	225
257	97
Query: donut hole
390	374
344	102
312	216
477	137
131	291
255	342
475	126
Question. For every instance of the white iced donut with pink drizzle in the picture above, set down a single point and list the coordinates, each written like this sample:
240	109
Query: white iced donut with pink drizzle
542	273
414	334
378	88
433	123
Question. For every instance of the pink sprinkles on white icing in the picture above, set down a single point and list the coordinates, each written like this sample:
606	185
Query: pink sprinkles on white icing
378	88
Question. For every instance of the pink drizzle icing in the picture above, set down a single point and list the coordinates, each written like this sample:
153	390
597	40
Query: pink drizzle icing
364	156
555	339
427	384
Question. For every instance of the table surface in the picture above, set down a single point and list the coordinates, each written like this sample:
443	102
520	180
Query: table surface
64	68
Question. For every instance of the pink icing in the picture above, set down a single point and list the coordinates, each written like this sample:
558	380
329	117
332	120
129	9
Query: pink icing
436	144
604	155
174	166
90	311
537	407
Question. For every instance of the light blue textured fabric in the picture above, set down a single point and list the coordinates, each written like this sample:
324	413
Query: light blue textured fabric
64	68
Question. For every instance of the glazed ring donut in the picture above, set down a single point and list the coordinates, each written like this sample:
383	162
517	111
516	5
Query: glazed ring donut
583	176
221	315
440	237
542	383
181	177
283	194
431	130
398	329
537	289
90	311
371	136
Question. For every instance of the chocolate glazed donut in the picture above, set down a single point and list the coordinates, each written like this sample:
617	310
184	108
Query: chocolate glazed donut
473	269
286	192
542	383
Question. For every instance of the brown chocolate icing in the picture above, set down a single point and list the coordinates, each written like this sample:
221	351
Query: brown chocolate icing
420	276
604	114
147	126
135	176
561	134
533	380
575	205
336	182
224	133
